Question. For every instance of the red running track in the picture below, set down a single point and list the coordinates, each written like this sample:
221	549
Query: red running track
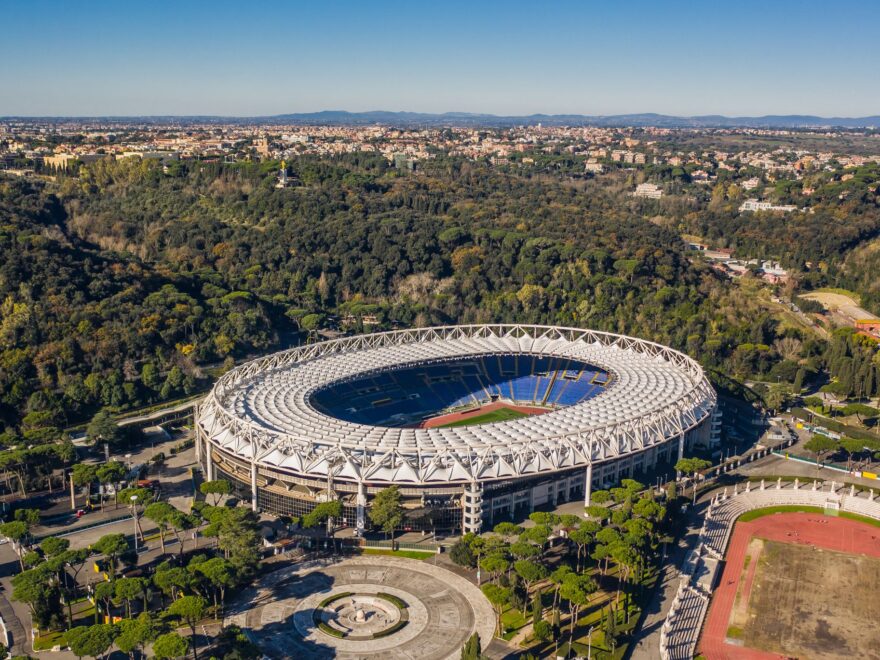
450	418
839	534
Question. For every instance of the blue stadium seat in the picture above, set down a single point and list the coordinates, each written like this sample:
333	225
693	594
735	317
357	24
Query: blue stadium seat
407	396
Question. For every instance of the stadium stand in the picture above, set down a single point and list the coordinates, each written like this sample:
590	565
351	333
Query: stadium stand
412	394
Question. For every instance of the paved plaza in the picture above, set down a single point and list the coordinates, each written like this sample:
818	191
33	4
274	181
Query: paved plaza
444	609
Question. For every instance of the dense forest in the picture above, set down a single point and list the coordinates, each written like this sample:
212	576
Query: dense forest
126	284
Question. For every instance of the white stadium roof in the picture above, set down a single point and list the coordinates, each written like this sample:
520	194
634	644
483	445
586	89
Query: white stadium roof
261	411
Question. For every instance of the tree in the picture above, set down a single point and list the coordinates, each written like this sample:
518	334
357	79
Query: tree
111	473
498	597
325	512
190	609
237	536
530	572
172	579
134	634
611	628
29	516
462	555
495	565
16	531
582	537
557	577
221	574
542	630
104	592
52	545
103	428
852	446
92	641
576	589
508	530
111	546
84	474
217	488
129	589
386	510
820	445
472	649
691	466
160	513
537	608
35	588
170	646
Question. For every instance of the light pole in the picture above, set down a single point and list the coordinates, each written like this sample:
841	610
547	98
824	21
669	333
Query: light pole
590	643
134	517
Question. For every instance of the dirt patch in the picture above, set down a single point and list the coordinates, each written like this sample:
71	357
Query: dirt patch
813	603
739	616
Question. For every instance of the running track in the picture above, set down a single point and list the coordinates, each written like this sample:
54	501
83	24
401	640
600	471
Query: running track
813	529
450	418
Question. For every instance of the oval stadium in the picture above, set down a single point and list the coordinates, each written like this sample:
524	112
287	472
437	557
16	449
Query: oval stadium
473	423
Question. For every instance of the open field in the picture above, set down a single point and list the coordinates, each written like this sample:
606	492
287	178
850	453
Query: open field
840	305
796	585
493	412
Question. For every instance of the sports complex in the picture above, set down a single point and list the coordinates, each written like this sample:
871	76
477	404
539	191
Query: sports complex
474	423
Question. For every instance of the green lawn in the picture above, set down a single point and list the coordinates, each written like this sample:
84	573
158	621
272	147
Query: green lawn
511	621
797	508
754	514
500	415
47	640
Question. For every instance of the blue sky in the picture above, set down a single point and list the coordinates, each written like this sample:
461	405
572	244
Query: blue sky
591	57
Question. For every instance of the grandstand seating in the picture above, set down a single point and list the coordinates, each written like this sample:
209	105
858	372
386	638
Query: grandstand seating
408	395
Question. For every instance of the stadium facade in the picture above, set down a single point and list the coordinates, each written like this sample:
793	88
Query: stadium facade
343	419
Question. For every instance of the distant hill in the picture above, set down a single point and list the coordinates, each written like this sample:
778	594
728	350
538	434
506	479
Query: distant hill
465	119
644	119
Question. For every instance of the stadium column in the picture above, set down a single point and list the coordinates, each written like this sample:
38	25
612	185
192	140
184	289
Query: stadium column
361	508
209	461
588	484
473	508
254	484
198	436
681	446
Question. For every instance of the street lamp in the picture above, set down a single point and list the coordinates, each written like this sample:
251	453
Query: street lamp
133	499
590	643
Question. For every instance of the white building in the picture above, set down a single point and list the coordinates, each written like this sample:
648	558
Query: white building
753	204
649	190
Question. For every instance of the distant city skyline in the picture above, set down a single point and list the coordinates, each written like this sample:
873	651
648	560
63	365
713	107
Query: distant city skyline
503	58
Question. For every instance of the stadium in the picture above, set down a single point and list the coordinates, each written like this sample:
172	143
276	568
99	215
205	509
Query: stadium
474	423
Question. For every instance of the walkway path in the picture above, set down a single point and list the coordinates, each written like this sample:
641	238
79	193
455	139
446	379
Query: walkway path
445	609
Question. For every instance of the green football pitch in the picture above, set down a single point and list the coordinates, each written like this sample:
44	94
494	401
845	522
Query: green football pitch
500	415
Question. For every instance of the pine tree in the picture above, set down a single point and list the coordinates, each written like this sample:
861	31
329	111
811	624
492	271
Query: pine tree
537	610
611	629
471	649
